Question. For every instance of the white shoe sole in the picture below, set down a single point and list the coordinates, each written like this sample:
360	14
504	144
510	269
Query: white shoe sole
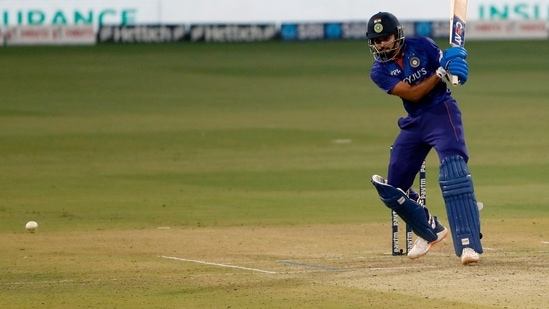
466	260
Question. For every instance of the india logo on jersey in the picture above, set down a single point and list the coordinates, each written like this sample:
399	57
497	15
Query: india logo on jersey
414	62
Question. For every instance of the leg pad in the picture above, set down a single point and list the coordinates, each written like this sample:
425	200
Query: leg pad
461	205
410	211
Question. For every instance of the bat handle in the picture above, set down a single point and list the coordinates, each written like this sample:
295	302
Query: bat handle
453	79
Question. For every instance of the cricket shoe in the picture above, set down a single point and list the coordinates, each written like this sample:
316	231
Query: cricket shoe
469	255
422	246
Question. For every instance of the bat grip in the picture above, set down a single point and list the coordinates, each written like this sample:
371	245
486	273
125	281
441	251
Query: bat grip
453	79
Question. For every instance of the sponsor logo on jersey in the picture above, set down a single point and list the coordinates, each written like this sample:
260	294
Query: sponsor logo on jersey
416	76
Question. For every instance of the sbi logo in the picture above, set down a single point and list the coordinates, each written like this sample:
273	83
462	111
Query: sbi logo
333	31
288	32
424	29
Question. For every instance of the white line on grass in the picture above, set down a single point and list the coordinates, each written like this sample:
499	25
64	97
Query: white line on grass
308	265
217	264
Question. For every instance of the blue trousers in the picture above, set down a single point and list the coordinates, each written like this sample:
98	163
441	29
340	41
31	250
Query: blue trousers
440	128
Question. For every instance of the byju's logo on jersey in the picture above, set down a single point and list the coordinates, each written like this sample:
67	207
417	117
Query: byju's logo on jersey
416	77
414	62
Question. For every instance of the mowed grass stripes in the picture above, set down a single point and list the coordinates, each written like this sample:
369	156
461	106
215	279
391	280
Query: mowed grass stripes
232	134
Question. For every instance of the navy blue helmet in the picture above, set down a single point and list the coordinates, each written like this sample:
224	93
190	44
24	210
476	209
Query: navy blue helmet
380	26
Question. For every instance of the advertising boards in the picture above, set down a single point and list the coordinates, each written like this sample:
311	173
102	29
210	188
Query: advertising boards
128	12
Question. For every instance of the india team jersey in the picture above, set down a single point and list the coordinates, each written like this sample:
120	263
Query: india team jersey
420	60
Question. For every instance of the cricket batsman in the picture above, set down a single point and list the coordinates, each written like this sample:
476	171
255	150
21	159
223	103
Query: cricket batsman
415	70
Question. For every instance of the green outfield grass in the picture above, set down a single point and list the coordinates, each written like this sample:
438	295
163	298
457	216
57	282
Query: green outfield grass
118	138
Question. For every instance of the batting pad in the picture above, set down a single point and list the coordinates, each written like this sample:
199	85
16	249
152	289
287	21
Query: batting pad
415	215
461	205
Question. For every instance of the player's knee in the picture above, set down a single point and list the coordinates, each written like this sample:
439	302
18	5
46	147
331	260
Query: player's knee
455	178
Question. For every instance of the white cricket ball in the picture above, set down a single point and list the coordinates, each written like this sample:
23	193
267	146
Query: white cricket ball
31	226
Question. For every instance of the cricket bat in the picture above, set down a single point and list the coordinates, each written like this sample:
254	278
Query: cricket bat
458	15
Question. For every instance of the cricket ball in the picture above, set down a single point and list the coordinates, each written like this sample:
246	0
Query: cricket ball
31	226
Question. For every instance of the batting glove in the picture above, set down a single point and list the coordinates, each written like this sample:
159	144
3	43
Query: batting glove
459	68
452	53
441	72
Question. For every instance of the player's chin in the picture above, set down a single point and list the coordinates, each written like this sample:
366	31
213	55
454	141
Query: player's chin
387	56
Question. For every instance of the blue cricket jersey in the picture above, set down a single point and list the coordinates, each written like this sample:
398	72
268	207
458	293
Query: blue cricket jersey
421	58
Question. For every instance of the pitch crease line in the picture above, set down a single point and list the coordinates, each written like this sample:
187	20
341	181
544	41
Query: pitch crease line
218	264
308	265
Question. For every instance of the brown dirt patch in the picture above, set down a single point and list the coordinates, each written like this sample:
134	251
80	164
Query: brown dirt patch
513	271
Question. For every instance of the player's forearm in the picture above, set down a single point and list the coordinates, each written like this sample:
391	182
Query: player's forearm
416	92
